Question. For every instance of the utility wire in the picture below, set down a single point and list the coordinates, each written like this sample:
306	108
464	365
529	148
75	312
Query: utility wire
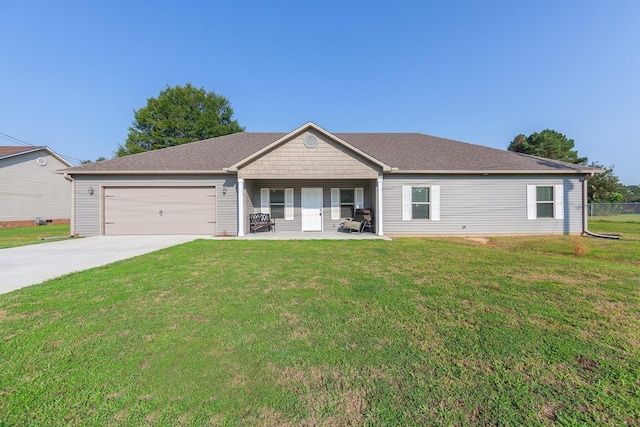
13	139
27	144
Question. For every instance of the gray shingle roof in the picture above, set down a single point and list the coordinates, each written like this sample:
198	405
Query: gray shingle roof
420	152
213	154
404	152
12	150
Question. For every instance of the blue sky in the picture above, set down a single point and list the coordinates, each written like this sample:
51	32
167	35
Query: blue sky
73	72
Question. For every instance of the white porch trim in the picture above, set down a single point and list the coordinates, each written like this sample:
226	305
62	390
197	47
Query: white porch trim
240	195
379	207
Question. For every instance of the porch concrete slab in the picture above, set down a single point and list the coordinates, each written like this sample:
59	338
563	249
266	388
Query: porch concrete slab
310	235
32	264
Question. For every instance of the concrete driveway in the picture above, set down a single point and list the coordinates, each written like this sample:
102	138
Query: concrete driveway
28	265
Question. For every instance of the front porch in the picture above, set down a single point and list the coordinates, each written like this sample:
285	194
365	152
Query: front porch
309	181
313	207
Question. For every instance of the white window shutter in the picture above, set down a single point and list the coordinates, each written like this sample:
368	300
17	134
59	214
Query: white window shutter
532	208
406	203
359	195
435	203
335	203
264	200
558	201
288	203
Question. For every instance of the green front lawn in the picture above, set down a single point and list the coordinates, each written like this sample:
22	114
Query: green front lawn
418	331
11	237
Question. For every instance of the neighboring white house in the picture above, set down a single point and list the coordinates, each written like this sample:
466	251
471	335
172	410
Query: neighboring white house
310	180
30	188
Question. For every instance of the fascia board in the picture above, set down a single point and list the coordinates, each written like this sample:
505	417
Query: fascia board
495	172
47	149
149	172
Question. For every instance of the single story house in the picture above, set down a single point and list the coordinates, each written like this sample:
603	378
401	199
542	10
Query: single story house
30	188
310	179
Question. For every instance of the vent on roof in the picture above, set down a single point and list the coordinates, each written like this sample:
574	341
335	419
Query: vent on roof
41	161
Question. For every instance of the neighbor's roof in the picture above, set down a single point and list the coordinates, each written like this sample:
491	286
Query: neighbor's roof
402	152
11	151
8	151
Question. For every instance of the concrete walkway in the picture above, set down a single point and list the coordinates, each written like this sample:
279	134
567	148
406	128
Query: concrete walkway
32	264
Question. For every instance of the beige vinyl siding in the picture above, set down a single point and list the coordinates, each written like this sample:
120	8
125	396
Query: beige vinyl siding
296	223
293	160
89	208
482	205
28	190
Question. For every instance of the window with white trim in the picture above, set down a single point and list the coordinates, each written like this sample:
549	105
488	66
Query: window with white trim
278	203
420	202
545	201
347	202
344	202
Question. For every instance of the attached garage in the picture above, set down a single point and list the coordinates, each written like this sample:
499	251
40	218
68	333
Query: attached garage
159	210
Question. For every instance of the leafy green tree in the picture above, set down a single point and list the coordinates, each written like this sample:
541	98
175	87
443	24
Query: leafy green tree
99	159
632	194
177	116
605	187
549	144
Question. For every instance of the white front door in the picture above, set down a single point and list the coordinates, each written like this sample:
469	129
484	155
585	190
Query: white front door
312	209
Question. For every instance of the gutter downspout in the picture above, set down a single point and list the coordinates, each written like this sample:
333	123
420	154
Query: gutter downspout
585	214
72	220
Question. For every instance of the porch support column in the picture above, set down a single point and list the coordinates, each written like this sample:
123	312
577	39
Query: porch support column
379	206
240	195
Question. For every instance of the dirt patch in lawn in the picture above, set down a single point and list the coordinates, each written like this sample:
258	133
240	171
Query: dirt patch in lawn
483	240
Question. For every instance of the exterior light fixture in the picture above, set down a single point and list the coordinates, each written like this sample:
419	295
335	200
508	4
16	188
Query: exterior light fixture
91	191
224	190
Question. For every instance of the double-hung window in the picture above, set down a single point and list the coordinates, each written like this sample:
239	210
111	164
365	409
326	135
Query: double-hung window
344	202
277	202
347	203
420	202
545	201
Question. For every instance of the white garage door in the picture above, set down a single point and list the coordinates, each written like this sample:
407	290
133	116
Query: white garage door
159	210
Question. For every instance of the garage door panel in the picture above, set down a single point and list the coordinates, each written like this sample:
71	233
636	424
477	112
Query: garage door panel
160	210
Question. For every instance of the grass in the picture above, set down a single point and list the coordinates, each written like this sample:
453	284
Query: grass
617	218
11	237
418	331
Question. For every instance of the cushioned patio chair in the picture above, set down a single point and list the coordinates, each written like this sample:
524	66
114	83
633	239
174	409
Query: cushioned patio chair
351	225
366	218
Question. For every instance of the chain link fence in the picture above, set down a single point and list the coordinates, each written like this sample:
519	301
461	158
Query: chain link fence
629	211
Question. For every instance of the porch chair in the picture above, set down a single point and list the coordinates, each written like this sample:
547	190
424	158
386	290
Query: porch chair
366	218
362	219
351	225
